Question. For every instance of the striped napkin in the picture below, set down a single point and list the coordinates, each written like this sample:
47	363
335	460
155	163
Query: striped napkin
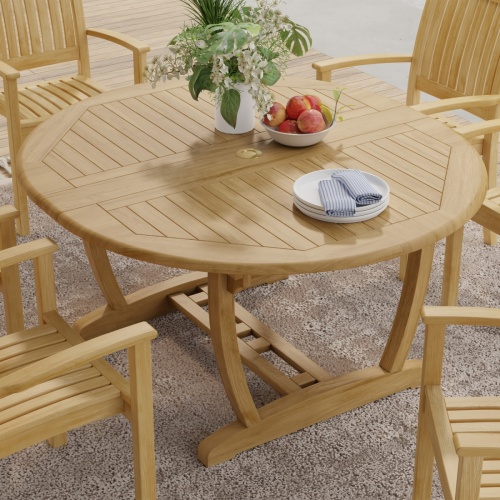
335	198
358	186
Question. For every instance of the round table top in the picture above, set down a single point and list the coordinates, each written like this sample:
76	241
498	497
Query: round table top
144	173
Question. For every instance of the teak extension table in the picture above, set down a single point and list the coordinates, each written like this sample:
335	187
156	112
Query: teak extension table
142	172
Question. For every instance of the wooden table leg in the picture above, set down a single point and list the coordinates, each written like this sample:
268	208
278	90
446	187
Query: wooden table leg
120	310
324	397
408	313
225	342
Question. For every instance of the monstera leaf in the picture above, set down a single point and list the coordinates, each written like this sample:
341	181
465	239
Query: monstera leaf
297	40
228	37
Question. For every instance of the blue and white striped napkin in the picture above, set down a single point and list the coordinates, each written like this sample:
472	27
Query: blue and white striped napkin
335	198
358	186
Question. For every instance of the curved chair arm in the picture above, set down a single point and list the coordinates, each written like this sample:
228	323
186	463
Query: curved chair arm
75	356
324	68
446	315
138	48
476	129
478	101
26	251
7	72
489	214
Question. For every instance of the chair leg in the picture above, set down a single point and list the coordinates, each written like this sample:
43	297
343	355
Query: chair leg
424	461
490	159
490	238
469	478
142	421
451	272
59	440
20	202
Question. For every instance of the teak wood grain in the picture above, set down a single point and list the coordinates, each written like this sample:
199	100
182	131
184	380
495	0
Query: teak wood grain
143	172
181	200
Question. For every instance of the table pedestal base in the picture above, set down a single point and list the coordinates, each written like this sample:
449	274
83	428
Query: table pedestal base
309	396
307	407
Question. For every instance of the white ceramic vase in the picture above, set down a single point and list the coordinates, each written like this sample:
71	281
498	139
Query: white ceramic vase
246	114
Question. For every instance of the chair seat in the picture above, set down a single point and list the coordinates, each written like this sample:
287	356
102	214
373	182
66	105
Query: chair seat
58	405
40	101
481	417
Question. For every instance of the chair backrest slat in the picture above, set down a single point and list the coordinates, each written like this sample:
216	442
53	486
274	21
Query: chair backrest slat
21	27
12	48
45	25
57	26
458	48
41	32
68	24
34	27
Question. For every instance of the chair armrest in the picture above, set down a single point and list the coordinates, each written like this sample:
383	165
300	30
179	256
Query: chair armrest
324	68
429	108
26	251
138	48
75	356
8	72
481	128
7	213
477	444
446	315
488	215
126	41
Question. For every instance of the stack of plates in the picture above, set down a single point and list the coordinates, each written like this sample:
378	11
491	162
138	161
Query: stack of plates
306	197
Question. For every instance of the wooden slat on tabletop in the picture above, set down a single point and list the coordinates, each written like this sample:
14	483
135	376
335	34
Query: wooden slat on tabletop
63	168
130	127
206	207
89	151
156	219
116	135
194	227
73	159
176	140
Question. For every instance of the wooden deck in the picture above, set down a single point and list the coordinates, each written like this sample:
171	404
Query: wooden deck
156	22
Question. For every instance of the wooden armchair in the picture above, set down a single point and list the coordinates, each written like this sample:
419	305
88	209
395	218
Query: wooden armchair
39	33
488	215
461	434
456	54
51	381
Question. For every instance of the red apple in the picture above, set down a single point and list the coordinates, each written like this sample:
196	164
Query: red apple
297	105
275	115
289	127
311	121
314	101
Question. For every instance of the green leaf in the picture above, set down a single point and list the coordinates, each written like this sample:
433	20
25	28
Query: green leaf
297	40
229	37
336	94
200	80
271	74
205	12
229	106
267	54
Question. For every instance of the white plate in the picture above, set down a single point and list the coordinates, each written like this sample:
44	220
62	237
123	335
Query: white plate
342	220
367	210
305	188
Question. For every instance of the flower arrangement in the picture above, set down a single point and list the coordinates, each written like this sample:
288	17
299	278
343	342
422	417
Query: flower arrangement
229	43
